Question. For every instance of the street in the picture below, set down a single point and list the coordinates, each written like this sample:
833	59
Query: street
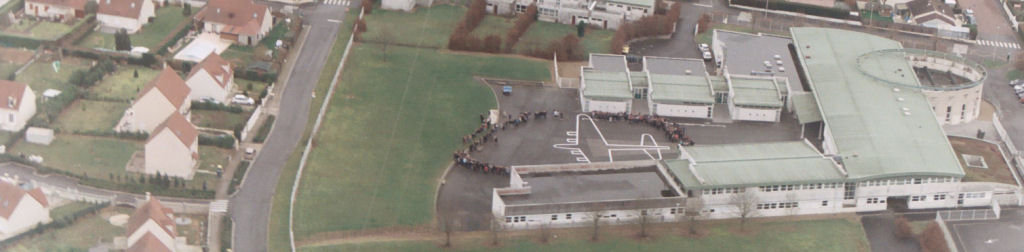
250	207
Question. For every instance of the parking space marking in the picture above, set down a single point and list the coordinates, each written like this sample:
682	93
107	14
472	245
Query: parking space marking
572	144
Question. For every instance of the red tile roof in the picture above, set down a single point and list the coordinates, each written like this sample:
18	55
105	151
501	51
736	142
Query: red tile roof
76	4
121	8
216	67
241	16
152	209
148	243
10	197
11	90
181	127
170	85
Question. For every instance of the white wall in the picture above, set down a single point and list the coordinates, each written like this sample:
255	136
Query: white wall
151	226
118	22
962	105
204	85
591	105
167	155
402	5
15	120
147	113
674	110
28	213
752	114
49	11
576	219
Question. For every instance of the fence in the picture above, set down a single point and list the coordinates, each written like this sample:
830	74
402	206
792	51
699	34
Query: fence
968	214
256	114
1009	15
1017	159
950	243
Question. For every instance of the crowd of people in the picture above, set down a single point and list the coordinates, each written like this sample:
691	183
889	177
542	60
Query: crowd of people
463	160
673	130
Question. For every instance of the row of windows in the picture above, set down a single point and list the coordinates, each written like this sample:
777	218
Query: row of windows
876	200
918	198
555	217
714	191
778	205
676	210
908	181
976	195
515	219
776	188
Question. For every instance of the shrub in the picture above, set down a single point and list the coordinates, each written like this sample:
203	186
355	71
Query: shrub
523	22
704	23
223	141
201	105
795	7
367	7
902	230
932	239
264	130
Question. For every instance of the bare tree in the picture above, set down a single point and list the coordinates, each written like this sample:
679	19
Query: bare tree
495	229
694	212
448	225
386	39
746	206
595	219
644	218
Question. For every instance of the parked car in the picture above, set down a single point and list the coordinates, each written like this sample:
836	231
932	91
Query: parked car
506	90
703	47
242	100
250	153
209	100
707	55
1016	82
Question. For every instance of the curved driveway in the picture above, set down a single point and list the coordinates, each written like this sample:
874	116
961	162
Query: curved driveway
250	207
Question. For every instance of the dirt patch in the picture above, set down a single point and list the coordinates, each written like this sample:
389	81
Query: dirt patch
570	69
986	111
997	171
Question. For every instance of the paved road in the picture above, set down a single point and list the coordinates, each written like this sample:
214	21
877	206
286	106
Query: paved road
26	173
250	207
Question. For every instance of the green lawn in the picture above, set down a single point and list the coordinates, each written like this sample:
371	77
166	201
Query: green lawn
210	158
78	237
252	87
96	156
816	235
381	146
167	18
43	30
41	76
6	69
493	25
1014	74
218	119
541	34
276	33
68	209
428	27
122	84
91	115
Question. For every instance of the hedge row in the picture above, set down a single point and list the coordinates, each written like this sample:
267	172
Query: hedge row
201	105
261	135
11	40
236	180
223	141
177	36
796	7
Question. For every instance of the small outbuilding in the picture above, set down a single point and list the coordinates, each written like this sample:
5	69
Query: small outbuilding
41	136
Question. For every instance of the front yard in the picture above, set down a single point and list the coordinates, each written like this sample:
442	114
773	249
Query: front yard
41	74
80	236
219	119
94	157
41	30
167	18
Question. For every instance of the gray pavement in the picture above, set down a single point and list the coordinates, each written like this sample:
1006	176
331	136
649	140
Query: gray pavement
999	235
250	207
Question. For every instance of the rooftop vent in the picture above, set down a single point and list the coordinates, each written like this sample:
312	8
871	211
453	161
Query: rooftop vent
906	113
906	109
895	89
899	98
687	71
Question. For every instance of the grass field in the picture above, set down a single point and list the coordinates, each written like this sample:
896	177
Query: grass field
91	115
493	25
541	34
67	210
122	84
219	119
6	69
41	76
167	18
382	145
80	236
210	158
428	27
815	235
43	30
96	156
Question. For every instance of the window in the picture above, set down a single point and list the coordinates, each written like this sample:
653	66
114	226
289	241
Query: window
824	203
917	181
520	8
849	190
949	109
676	210
554	217
568	216
508	219
963	111
977	195
518	219
643	212
10	117
875	200
918	198
939	197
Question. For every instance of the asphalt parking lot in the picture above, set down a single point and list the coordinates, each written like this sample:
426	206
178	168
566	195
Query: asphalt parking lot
995	235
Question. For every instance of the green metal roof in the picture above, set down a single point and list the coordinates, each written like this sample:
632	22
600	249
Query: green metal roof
719	84
641	3
752	165
606	85
677	89
878	131
638	79
748	91
806	108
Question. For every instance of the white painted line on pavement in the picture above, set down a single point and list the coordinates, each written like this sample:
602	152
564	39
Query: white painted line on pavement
334	21
704	5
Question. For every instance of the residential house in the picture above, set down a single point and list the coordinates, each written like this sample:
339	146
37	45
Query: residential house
21	209
173	148
19	106
163	96
404	5
129	15
931	13
212	78
241	21
56	9
607	14
151	228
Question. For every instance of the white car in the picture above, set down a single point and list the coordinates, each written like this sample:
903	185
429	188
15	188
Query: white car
706	55
242	100
703	47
